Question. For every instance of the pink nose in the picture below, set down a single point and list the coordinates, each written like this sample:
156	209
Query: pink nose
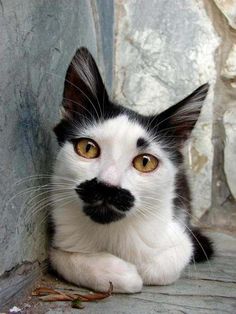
110	176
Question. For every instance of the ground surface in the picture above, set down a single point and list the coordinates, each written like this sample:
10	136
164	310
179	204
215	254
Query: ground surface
204	288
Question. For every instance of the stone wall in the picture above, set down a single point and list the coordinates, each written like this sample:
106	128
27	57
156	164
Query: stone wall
165	49
38	39
223	209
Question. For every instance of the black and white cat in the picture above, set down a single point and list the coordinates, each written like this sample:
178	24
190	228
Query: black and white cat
122	202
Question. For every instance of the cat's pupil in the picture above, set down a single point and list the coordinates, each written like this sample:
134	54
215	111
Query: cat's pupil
88	146
145	161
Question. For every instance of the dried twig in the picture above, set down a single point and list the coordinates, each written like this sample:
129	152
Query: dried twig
52	295
42	291
99	295
55	298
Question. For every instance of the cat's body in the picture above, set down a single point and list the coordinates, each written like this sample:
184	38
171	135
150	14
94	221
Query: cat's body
121	198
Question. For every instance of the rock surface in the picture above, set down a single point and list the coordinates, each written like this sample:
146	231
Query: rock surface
230	149
228	8
229	69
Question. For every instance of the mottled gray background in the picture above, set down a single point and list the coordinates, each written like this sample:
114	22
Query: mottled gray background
151	54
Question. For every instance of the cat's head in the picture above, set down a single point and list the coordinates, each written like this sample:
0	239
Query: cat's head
116	162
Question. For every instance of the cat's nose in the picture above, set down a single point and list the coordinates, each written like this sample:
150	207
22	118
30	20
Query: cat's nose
110	176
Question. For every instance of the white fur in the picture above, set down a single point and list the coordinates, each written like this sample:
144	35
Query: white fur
148	246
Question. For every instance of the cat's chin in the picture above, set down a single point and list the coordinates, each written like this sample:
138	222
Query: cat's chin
103	213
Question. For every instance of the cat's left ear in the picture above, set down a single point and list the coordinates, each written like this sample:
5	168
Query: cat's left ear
179	120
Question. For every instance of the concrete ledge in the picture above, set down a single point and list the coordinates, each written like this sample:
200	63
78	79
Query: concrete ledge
203	288
16	284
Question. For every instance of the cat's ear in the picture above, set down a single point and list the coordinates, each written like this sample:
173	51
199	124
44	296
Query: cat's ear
179	120
84	90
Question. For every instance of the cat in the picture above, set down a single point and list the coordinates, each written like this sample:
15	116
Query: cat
121	198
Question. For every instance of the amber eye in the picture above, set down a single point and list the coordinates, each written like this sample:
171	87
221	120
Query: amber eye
87	148
145	163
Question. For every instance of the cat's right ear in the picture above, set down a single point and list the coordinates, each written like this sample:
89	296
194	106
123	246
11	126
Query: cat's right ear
84	96
84	90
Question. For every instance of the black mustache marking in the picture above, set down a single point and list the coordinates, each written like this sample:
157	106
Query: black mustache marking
103	202
102	214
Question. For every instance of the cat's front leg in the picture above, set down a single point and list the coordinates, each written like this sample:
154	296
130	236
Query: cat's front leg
165	265
95	271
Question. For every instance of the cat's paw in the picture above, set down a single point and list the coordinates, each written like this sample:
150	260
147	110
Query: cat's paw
159	277
123	275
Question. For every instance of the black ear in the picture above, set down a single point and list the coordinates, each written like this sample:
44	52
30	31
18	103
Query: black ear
84	90
178	121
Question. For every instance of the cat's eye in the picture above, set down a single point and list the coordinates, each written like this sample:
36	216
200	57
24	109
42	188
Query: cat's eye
87	148
145	163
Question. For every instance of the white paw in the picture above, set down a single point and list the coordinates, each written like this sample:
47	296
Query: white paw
123	275
154	277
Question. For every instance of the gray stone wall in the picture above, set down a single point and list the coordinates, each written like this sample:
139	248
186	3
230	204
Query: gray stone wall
38	39
165	49
223	210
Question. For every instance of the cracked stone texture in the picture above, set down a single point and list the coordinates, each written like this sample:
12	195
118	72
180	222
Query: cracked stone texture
229	69
230	149
38	39
164	50
228	8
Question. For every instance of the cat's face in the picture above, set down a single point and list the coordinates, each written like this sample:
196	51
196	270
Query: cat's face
119	163
118	169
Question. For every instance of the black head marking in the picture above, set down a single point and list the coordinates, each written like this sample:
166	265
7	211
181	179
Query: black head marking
142	143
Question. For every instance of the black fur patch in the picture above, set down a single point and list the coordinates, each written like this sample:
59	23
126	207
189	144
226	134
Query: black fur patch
50	229
203	247
142	143
68	129
182	201
104	203
102	214
64	131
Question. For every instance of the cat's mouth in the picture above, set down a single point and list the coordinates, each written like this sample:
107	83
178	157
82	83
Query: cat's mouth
103	203
102	213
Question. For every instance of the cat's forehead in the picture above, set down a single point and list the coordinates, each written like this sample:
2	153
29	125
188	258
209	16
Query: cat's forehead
120	128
